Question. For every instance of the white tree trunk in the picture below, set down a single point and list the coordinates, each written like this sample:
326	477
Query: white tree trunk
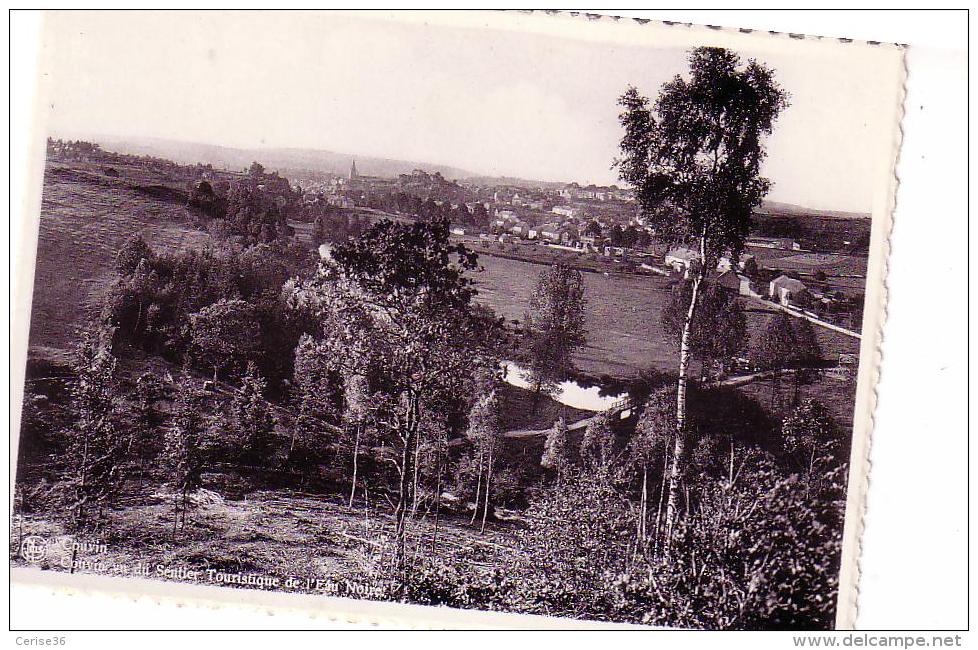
485	508
478	491
679	447
356	454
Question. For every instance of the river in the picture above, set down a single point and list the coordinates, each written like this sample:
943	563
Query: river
569	393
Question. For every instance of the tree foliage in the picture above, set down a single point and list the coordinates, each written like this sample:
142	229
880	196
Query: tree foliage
694	162
396	307
557	452
99	440
554	325
719	331
252	421
186	451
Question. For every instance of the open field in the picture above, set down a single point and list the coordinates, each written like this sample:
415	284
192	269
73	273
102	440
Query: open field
85	217
845	272
623	316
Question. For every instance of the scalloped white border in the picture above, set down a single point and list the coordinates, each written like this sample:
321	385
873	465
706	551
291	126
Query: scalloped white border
585	26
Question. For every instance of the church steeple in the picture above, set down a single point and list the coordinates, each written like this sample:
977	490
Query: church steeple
353	169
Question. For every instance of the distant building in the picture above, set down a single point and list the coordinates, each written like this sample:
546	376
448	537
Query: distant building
353	171
458	230
680	259
550	232
565	211
729	281
747	287
787	290
744	264
782	243
521	229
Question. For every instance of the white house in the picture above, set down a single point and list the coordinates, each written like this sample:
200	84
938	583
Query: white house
787	290
680	259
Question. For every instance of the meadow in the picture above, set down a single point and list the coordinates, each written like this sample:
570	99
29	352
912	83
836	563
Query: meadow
625	334
85	218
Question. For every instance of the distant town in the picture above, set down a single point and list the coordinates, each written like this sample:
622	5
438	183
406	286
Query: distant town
598	228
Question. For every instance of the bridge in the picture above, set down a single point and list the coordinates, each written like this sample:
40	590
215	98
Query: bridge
622	407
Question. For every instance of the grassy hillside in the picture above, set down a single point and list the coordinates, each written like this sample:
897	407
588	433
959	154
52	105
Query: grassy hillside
86	215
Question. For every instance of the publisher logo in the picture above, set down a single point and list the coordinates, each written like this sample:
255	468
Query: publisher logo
34	548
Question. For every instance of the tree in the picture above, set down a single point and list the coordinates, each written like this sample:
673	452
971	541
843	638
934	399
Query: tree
251	419
556	451
133	251
694	163
485	434
99	443
598	444
185	451
760	551
719	330
397	301
787	342
224	336
650	443
356	415
554	325
811	439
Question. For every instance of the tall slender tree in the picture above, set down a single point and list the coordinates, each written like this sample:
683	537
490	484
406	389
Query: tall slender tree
694	161
556	451
554	325
252	420
598	445
99	443
185	452
485	434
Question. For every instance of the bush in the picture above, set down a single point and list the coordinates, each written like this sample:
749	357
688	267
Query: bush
578	537
762	553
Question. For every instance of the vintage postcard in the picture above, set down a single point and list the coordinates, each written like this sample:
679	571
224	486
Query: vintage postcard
528	318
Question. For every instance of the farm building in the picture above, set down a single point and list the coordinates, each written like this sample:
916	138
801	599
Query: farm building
783	243
679	259
729	281
787	290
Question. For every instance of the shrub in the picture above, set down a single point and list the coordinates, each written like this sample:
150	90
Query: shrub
761	553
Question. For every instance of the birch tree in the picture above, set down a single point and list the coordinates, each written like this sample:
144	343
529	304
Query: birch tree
598	445
485	434
694	161
556	451
185	452
397	300
648	456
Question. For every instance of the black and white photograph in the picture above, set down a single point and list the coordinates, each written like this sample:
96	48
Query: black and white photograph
525	313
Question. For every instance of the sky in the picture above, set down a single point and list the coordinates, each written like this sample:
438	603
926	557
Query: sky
490	100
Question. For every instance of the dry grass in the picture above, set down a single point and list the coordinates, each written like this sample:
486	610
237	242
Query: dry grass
281	533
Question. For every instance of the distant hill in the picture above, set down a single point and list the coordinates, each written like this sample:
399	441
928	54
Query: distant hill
512	181
776	208
298	162
281	159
